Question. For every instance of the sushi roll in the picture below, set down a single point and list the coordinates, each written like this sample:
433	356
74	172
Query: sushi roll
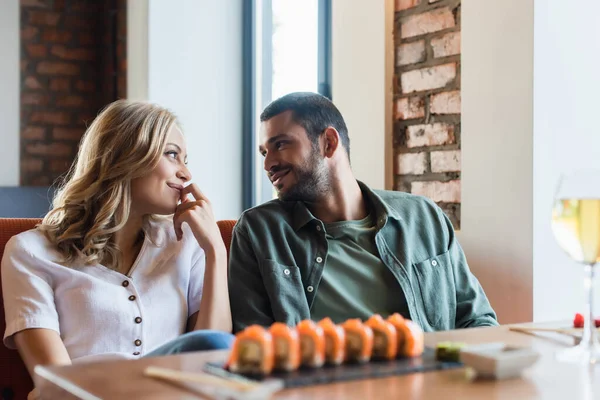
335	341
411	341
385	342
312	344
397	321
359	341
414	340
252	352
286	346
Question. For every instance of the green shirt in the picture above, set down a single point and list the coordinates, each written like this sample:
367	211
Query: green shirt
355	282
278	248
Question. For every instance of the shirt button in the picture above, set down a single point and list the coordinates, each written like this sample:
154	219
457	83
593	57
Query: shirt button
319	259
319	228
138	342
138	320
125	283
434	263
286	271
137	353
132	298
310	289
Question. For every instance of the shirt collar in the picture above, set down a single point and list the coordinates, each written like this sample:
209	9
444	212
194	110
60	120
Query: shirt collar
302	215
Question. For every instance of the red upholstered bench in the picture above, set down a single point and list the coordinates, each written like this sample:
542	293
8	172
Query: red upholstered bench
15	382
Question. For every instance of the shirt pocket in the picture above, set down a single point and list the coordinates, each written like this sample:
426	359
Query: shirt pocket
438	292
284	287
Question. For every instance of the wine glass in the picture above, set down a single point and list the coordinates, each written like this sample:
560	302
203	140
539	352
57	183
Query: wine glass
576	228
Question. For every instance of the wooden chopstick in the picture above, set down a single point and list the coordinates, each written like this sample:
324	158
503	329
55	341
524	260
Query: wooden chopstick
540	329
194	377
564	331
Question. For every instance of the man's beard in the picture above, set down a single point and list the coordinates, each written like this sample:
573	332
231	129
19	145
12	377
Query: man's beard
312	182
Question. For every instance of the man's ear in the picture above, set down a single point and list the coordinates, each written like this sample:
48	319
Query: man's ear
331	139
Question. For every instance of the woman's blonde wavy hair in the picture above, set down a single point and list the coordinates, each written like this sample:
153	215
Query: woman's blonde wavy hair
125	141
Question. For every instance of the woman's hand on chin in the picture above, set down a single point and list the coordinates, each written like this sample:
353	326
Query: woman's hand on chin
198	214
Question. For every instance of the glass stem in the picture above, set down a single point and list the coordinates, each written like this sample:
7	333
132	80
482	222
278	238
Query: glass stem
589	326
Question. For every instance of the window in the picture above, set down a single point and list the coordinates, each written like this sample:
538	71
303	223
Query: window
294	47
286	49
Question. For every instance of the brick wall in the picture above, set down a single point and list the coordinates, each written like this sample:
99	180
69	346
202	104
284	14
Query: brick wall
72	64
427	101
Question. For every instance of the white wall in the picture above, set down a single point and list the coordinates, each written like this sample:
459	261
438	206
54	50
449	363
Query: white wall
362	60
137	49
566	137
9	92
497	149
194	67
529	98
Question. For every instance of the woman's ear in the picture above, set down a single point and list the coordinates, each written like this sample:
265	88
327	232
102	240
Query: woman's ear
332	141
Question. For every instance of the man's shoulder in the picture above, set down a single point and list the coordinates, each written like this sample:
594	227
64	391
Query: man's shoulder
274	206
402	202
274	211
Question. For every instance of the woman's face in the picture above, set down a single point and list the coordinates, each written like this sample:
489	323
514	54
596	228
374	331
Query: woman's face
159	191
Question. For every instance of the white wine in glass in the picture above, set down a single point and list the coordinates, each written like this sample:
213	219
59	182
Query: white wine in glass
576	227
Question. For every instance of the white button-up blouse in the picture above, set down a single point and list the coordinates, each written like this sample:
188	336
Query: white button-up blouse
98	312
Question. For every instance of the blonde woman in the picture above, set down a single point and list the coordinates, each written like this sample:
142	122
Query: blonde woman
128	259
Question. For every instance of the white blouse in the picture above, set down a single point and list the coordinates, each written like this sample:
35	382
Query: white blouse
98	312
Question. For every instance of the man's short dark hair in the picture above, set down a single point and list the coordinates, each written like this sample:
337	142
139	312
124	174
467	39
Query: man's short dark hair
313	112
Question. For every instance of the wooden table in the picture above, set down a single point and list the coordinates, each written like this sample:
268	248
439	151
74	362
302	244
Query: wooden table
548	379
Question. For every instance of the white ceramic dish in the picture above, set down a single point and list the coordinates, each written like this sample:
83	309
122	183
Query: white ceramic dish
498	360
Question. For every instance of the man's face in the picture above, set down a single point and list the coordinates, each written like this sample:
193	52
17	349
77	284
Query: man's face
294	165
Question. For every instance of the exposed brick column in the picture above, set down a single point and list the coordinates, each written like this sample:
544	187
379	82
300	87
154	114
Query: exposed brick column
427	101
69	71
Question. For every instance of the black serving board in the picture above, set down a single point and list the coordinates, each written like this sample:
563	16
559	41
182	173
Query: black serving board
348	372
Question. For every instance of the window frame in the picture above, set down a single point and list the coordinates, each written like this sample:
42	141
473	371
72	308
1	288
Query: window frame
257	87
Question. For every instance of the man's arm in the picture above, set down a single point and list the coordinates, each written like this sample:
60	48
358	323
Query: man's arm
247	295
472	306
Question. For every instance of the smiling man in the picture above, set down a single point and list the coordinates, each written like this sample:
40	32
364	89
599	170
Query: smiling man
330	246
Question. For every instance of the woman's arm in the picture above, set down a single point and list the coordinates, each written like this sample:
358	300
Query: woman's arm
32	322
41	346
214	312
